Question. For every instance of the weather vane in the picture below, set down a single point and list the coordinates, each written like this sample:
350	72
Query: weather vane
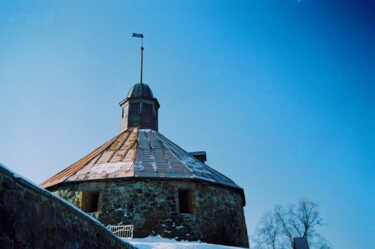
140	36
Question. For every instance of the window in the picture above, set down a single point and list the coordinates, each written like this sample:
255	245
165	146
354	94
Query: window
135	108
147	109
89	201
185	201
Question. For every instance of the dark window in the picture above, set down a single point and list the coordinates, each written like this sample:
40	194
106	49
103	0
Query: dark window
135	108
185	200
147	109
89	201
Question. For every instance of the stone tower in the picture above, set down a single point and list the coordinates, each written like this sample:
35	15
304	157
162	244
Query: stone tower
140	177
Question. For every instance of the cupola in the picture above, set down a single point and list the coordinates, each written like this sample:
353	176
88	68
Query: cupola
139	108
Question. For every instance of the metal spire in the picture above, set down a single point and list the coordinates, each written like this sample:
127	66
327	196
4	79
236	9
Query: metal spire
142	48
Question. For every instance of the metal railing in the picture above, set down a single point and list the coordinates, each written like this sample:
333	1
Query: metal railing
122	231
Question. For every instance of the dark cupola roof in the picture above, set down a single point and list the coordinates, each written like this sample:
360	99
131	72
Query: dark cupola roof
140	90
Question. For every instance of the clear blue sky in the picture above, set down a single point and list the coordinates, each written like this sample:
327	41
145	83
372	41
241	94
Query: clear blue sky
280	93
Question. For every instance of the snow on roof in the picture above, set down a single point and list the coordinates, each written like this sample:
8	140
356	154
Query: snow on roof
139	153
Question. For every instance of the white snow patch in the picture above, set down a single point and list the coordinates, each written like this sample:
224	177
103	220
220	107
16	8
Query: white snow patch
139	166
154	164
108	168
162	243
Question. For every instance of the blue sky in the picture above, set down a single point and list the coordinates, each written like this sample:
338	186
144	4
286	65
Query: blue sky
280	93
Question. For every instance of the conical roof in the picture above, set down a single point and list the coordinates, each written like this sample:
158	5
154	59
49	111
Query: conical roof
139	153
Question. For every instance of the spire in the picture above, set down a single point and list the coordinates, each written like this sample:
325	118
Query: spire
139	108
142	48
141	62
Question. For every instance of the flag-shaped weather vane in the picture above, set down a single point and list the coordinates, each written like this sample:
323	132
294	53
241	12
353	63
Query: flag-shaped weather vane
140	36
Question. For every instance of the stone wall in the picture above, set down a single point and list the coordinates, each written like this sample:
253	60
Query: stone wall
31	217
153	207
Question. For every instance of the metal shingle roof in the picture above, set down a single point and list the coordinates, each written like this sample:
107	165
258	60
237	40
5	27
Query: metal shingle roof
139	153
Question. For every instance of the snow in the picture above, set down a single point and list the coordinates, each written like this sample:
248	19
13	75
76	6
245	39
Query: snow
162	243
109	168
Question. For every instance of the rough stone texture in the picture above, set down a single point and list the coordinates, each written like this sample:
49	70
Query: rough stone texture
31	217
152	206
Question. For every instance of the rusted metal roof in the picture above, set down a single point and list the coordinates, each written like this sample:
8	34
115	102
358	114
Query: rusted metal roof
139	153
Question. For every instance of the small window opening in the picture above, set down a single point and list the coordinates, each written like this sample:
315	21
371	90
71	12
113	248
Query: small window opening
135	108
89	201
185	200
147	109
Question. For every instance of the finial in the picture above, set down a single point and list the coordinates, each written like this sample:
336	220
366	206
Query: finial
140	36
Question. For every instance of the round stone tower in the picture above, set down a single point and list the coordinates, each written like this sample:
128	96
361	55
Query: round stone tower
140	177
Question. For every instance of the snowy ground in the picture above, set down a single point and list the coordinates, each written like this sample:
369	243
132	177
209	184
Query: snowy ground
161	243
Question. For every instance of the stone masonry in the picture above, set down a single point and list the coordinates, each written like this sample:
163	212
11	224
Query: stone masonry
31	217
214	214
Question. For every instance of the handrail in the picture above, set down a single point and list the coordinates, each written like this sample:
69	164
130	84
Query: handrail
122	231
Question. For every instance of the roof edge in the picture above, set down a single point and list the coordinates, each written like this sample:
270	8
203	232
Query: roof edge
238	189
69	171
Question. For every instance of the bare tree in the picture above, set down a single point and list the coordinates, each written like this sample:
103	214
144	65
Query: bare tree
278	228
268	232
